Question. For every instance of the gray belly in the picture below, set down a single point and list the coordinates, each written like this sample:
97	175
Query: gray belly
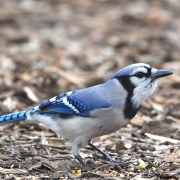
102	122
108	121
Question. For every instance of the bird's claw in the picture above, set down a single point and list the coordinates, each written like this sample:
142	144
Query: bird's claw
85	168
106	157
109	158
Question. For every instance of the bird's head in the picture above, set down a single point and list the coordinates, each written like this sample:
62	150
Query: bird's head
140	80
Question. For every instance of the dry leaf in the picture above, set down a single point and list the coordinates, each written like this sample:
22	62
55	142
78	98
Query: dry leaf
162	139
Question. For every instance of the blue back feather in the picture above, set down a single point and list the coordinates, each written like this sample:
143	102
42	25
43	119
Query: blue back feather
81	103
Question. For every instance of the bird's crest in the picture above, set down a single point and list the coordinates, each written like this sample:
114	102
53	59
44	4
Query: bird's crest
128	70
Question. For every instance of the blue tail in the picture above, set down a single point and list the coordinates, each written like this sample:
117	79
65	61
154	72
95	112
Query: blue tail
19	116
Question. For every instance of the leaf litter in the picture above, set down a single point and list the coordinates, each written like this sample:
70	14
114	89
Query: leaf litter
50	47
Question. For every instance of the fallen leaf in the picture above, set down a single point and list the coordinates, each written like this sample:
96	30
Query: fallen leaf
162	139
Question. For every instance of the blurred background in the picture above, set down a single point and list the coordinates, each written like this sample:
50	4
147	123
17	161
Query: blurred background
48	47
59	45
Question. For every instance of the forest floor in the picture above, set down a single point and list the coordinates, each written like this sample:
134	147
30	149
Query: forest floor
50	47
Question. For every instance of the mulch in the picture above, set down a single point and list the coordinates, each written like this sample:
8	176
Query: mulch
50	47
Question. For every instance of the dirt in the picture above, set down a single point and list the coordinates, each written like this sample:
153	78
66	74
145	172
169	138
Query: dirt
50	47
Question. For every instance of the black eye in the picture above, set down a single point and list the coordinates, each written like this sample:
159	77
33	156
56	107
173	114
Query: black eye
139	75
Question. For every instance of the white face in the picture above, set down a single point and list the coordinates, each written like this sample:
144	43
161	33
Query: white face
144	86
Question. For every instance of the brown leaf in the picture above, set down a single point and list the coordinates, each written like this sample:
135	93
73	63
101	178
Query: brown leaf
120	146
162	139
140	120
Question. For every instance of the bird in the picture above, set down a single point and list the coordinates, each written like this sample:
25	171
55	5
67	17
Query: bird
81	115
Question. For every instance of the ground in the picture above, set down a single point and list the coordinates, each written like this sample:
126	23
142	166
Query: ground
50	47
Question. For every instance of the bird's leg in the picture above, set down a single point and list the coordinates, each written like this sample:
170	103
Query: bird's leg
105	156
76	147
84	167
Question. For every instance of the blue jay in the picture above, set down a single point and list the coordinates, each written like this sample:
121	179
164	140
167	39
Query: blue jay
84	114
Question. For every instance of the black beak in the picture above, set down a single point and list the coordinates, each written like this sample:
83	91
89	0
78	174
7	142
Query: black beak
161	73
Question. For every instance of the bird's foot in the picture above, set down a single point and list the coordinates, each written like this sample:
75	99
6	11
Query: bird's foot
85	168
106	157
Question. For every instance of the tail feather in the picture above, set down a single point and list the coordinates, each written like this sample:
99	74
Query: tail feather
13	117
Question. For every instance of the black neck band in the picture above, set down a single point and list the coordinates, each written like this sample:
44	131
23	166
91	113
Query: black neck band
129	110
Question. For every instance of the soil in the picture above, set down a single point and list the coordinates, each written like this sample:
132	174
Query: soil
50	47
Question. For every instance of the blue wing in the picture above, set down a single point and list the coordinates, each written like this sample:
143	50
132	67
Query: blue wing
80	103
